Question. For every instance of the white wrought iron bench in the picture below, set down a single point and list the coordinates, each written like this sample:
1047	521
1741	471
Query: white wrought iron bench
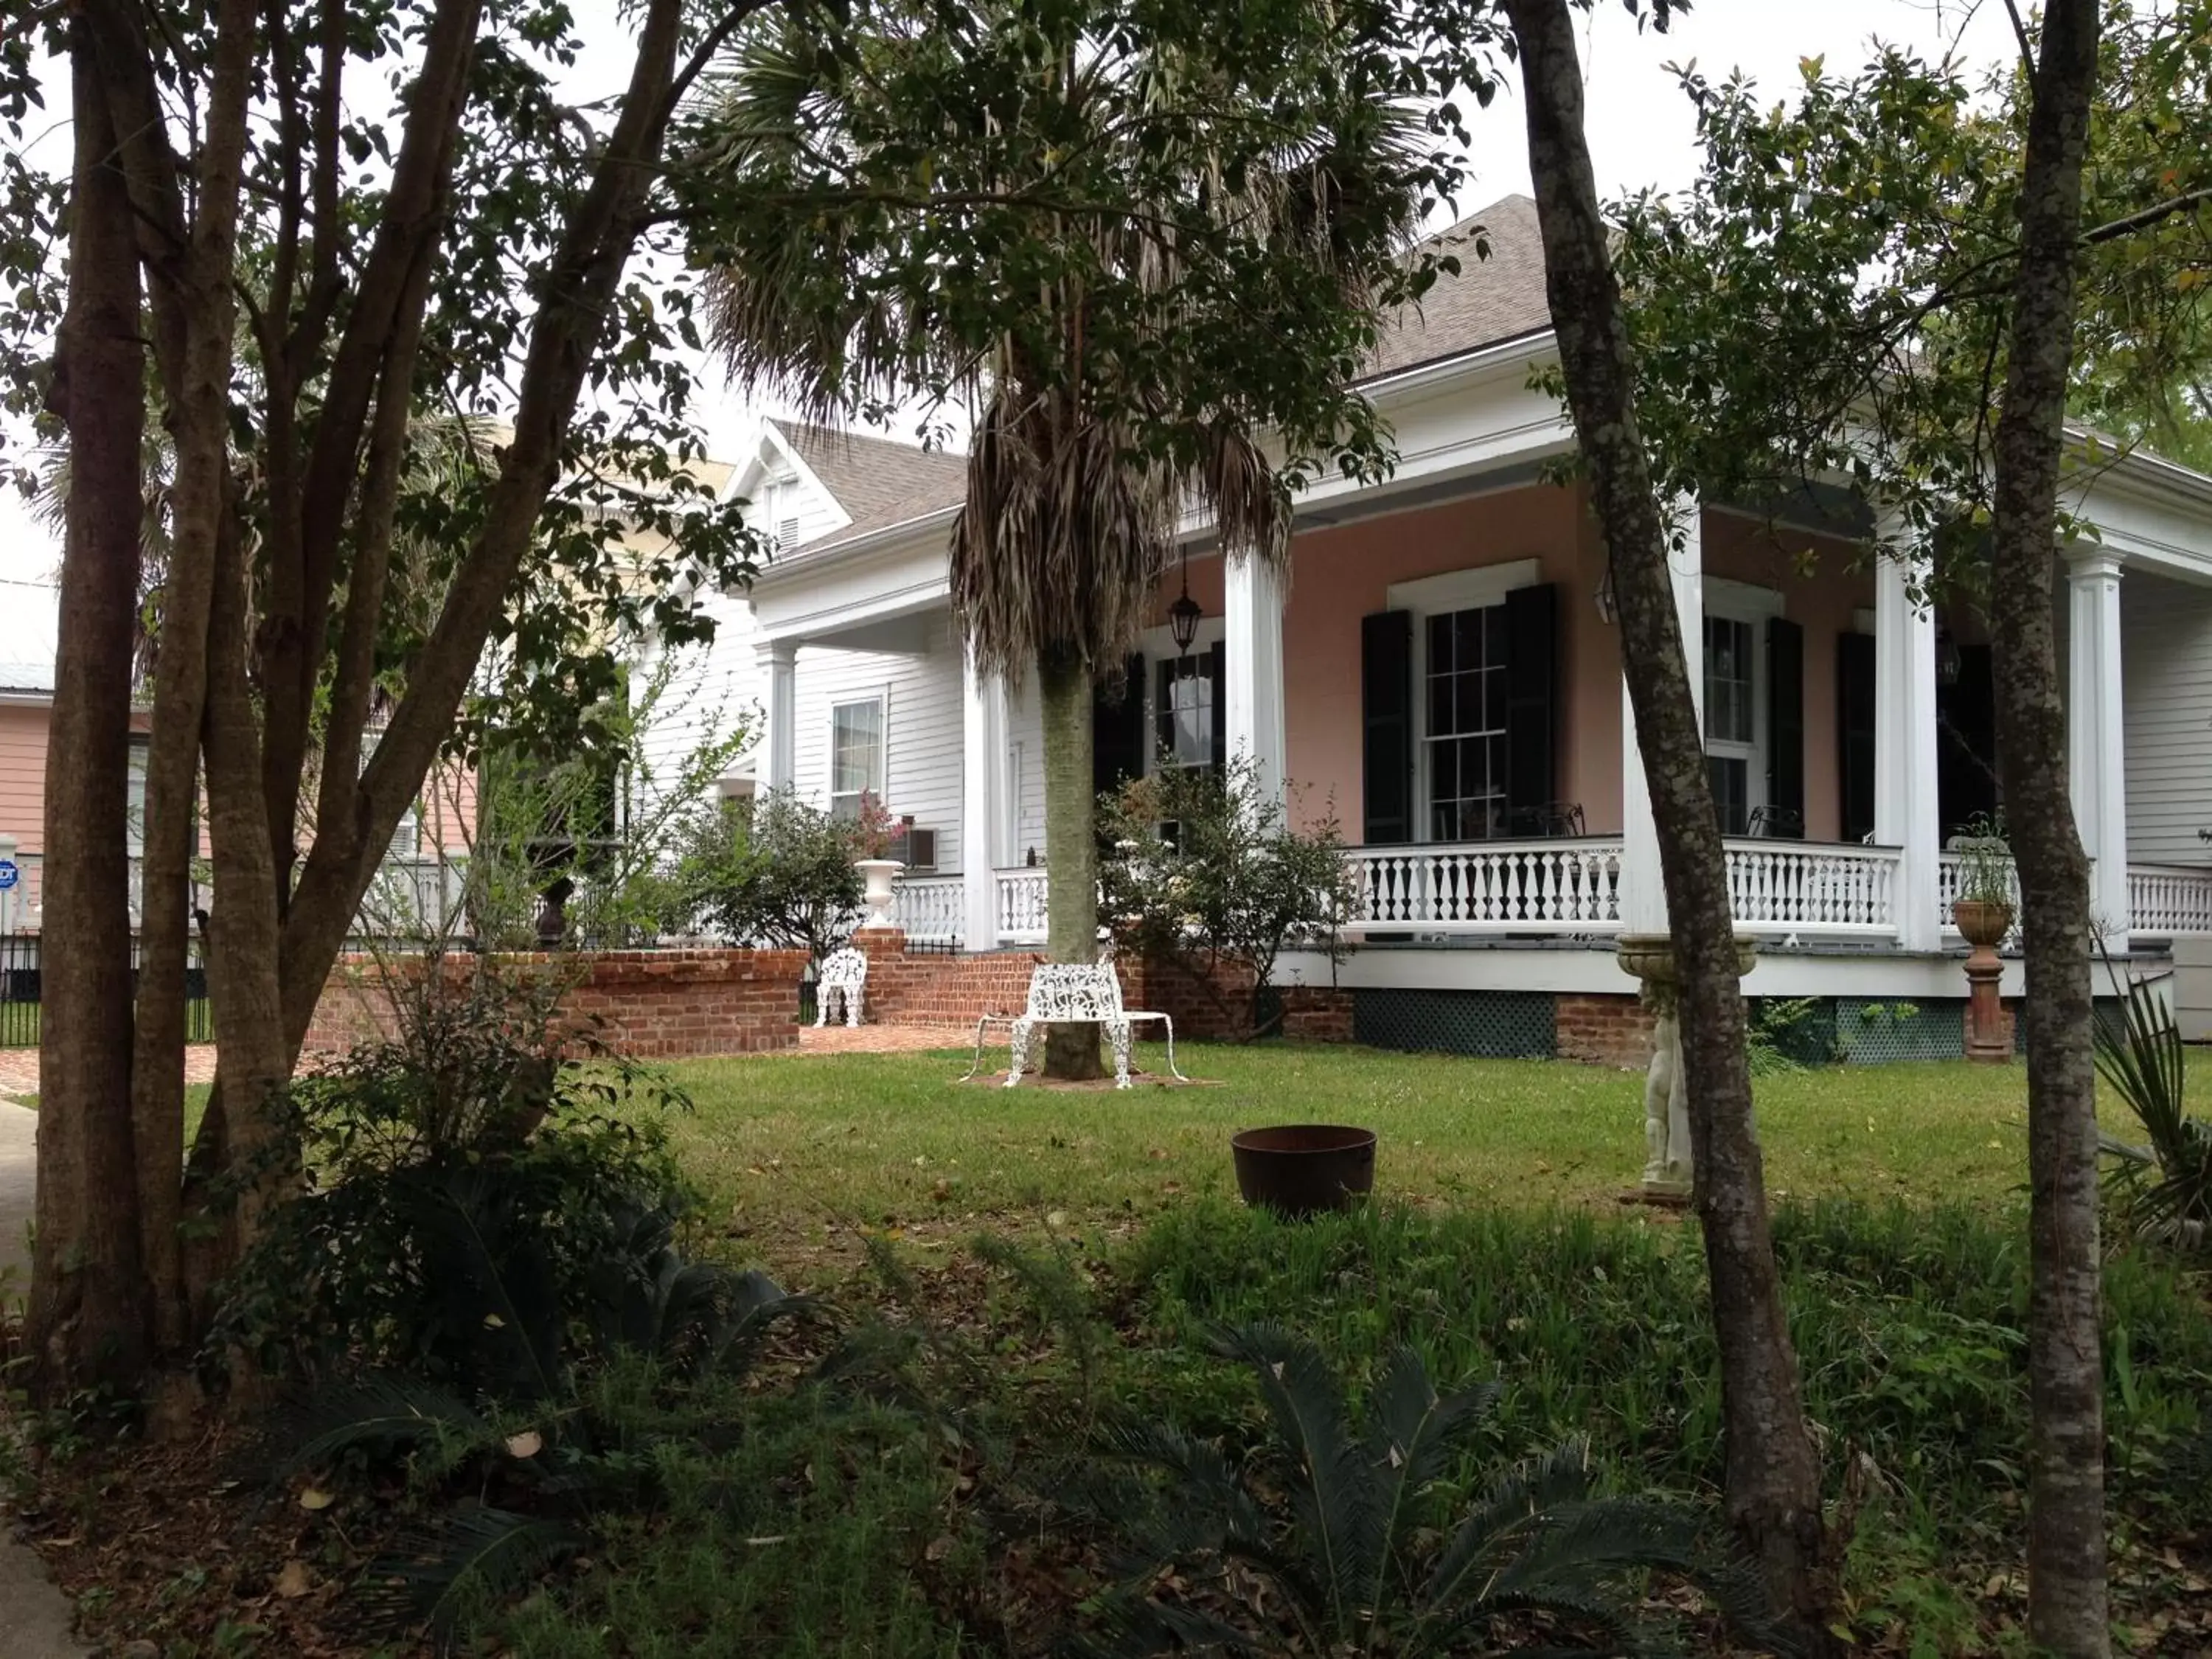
1071	994
843	978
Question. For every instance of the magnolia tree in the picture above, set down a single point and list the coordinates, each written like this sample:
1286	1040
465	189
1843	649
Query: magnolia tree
1230	882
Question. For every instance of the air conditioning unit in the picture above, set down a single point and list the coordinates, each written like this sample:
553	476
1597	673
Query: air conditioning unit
916	849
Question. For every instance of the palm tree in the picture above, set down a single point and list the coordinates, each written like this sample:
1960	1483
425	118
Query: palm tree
1127	244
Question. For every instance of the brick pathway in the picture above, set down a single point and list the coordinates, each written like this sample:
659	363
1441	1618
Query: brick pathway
19	1068
880	1039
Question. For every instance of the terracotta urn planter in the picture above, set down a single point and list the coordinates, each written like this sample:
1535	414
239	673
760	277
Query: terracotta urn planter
880	877
1984	923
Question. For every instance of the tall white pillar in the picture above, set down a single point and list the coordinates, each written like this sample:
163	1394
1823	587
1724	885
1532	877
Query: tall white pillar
1253	631
983	731
2096	740
779	661
1643	886
1905	794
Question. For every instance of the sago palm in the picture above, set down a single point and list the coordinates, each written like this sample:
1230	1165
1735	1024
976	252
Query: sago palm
1132	245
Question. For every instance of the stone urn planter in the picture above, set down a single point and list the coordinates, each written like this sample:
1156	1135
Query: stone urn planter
1298	1170
880	879
1984	923
1669	1176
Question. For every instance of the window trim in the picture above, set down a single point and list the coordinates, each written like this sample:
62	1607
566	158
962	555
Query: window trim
882	698
1475	588
1753	606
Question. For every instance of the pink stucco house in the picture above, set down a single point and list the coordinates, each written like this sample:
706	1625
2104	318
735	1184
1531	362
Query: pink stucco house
1440	668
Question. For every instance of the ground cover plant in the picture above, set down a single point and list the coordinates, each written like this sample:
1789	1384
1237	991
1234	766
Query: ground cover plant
918	1470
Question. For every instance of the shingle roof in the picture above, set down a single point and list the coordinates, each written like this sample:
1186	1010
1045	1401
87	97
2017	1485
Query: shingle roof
880	481
29	620
1491	301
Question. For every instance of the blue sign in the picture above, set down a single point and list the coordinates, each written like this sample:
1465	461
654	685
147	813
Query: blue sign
10	875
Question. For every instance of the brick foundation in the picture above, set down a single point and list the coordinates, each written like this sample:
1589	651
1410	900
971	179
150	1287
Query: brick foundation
940	990
1311	1013
650	1005
1613	1029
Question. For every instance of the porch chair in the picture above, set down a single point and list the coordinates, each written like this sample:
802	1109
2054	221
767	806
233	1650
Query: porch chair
843	978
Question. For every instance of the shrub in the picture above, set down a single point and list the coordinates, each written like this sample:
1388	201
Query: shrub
774	869
1340	1530
2163	1191
1230	882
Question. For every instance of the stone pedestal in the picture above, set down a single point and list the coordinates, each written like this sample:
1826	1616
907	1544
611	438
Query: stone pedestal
1669	1169
1985	926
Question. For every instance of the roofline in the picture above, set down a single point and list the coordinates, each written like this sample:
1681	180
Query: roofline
1474	360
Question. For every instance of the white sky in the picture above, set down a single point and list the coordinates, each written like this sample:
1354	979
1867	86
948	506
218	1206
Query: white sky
1640	125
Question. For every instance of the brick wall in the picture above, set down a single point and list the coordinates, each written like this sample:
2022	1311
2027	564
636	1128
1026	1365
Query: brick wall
1612	1029
940	990
650	1005
1310	1013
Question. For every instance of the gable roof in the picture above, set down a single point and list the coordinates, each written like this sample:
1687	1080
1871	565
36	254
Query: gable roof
1491	301
878	481
881	482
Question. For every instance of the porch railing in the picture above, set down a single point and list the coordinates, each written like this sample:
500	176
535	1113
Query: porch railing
1812	888
1021	906
2165	898
1558	886
928	909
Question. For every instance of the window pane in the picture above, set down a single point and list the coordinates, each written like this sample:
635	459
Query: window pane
1443	717
856	748
1440	645
1466	626
1191	707
1494	637
1731	782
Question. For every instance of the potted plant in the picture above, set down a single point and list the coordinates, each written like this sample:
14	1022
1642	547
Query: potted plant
1983	909
873	831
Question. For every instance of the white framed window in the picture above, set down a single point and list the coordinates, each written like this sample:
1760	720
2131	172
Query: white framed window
1187	694
1461	645
1737	738
134	820
856	754
1463	722
407	839
776	512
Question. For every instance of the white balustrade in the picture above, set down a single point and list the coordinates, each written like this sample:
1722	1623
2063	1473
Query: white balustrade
1812	888
1558	886
1022	906
2165	900
928	909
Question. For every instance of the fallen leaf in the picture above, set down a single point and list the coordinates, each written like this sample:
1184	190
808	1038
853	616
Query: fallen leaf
315	1498
1057	1218
938	1547
528	1444
294	1581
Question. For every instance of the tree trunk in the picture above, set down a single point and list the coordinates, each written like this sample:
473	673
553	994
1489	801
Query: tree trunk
1773	1477
2066	1607
199	422
89	1312
1071	848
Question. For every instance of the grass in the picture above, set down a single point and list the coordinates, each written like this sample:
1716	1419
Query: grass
891	1140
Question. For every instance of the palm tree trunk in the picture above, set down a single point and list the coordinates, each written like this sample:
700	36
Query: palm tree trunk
2066	1590
1070	848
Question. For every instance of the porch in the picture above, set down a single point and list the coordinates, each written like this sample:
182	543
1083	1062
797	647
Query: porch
1791	894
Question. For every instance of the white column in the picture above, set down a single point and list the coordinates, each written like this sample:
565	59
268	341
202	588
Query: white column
779	661
983	729
1253	629
2096	740
1905	797
1642	887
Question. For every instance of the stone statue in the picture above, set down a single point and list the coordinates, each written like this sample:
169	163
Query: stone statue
1667	1171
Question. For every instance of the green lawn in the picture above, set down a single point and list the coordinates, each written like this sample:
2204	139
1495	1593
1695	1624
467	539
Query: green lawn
892	1141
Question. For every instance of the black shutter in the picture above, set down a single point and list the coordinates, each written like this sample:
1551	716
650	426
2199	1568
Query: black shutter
1217	668
1532	625
1117	724
1855	725
1386	700
1785	728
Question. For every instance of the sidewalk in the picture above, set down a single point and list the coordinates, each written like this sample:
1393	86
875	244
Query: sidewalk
35	1616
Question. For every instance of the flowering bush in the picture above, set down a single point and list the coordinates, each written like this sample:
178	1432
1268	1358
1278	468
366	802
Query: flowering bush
876	828
1206	870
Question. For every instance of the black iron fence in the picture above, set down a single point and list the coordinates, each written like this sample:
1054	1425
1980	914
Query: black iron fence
22	964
